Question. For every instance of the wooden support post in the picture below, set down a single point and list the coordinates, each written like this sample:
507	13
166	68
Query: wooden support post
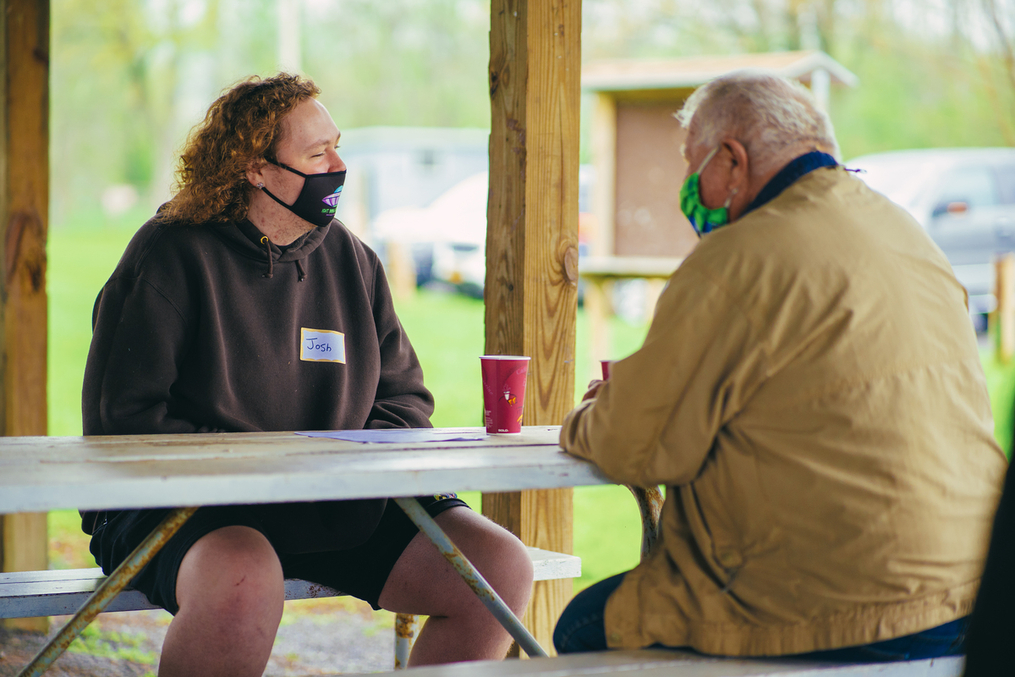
24	207
532	248
1004	314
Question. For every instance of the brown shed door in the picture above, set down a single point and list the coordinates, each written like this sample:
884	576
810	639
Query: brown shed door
650	170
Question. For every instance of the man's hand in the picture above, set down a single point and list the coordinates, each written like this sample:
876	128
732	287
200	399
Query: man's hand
594	386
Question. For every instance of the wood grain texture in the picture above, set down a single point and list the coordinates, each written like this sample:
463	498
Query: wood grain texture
148	471
24	200
532	246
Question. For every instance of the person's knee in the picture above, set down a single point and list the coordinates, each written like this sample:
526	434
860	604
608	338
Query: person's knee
499	556
232	574
515	567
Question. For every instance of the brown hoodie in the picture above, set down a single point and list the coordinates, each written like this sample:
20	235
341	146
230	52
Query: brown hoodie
203	328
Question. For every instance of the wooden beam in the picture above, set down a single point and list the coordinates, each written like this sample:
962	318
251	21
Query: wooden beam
24	208
532	248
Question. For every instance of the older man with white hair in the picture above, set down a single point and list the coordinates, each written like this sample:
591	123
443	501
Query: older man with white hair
810	393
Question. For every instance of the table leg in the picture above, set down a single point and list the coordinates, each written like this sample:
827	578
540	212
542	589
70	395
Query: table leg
487	595
406	628
107	591
650	505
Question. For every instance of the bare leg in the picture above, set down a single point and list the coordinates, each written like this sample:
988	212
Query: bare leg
422	582
230	590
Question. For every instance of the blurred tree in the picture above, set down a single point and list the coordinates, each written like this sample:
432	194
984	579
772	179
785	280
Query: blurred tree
999	76
923	76
401	62
131	77
116	91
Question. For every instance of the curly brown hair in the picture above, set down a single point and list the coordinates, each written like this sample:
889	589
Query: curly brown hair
241	127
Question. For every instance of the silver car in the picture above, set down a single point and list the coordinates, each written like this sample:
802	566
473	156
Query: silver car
964	197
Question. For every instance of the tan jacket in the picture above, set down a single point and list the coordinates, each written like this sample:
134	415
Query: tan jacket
811	394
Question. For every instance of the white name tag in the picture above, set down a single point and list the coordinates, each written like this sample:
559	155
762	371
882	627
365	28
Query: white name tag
322	345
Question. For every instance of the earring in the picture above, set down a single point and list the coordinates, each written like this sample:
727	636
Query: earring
260	186
729	200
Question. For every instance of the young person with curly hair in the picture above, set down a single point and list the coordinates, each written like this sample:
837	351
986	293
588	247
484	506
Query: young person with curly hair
244	306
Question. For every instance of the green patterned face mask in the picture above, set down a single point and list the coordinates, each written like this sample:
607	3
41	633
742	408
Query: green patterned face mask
696	212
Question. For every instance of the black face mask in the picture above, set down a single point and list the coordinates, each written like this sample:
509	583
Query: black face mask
317	201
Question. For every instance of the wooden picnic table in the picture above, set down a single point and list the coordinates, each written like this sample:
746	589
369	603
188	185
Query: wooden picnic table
189	470
146	471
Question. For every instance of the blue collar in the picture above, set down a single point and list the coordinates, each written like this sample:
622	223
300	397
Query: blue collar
787	176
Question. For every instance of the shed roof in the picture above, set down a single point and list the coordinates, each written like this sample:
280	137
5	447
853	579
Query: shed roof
644	74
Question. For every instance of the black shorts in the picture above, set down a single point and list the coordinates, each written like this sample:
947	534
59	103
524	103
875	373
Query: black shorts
360	571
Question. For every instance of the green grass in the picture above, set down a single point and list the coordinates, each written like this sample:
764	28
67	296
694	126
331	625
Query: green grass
1001	387
124	646
447	333
80	260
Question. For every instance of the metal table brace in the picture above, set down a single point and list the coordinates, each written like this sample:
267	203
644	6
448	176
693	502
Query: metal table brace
487	595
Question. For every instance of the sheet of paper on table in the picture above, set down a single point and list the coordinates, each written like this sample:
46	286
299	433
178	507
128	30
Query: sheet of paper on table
397	435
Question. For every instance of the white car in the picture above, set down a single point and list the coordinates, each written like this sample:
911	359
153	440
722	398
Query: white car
963	197
451	228
448	238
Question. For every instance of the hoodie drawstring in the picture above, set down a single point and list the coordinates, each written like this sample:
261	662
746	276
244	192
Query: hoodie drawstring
267	250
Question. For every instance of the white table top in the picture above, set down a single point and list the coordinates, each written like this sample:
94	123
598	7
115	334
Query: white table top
627	267
141	471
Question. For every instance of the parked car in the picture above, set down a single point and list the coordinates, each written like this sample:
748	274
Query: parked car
456	218
963	197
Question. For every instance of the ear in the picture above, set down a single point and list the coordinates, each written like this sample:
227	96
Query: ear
255	172
740	171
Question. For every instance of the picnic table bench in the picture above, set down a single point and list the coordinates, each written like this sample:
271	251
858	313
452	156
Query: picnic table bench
91	473
59	592
666	663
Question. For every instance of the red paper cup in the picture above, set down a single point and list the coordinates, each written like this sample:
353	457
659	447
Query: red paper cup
606	368
504	392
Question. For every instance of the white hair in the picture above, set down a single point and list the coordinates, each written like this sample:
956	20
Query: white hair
767	113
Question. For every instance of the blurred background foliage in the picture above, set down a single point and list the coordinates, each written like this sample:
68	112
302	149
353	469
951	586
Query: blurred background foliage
131	77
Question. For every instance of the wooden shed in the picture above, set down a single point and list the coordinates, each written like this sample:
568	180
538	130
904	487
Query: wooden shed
636	141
